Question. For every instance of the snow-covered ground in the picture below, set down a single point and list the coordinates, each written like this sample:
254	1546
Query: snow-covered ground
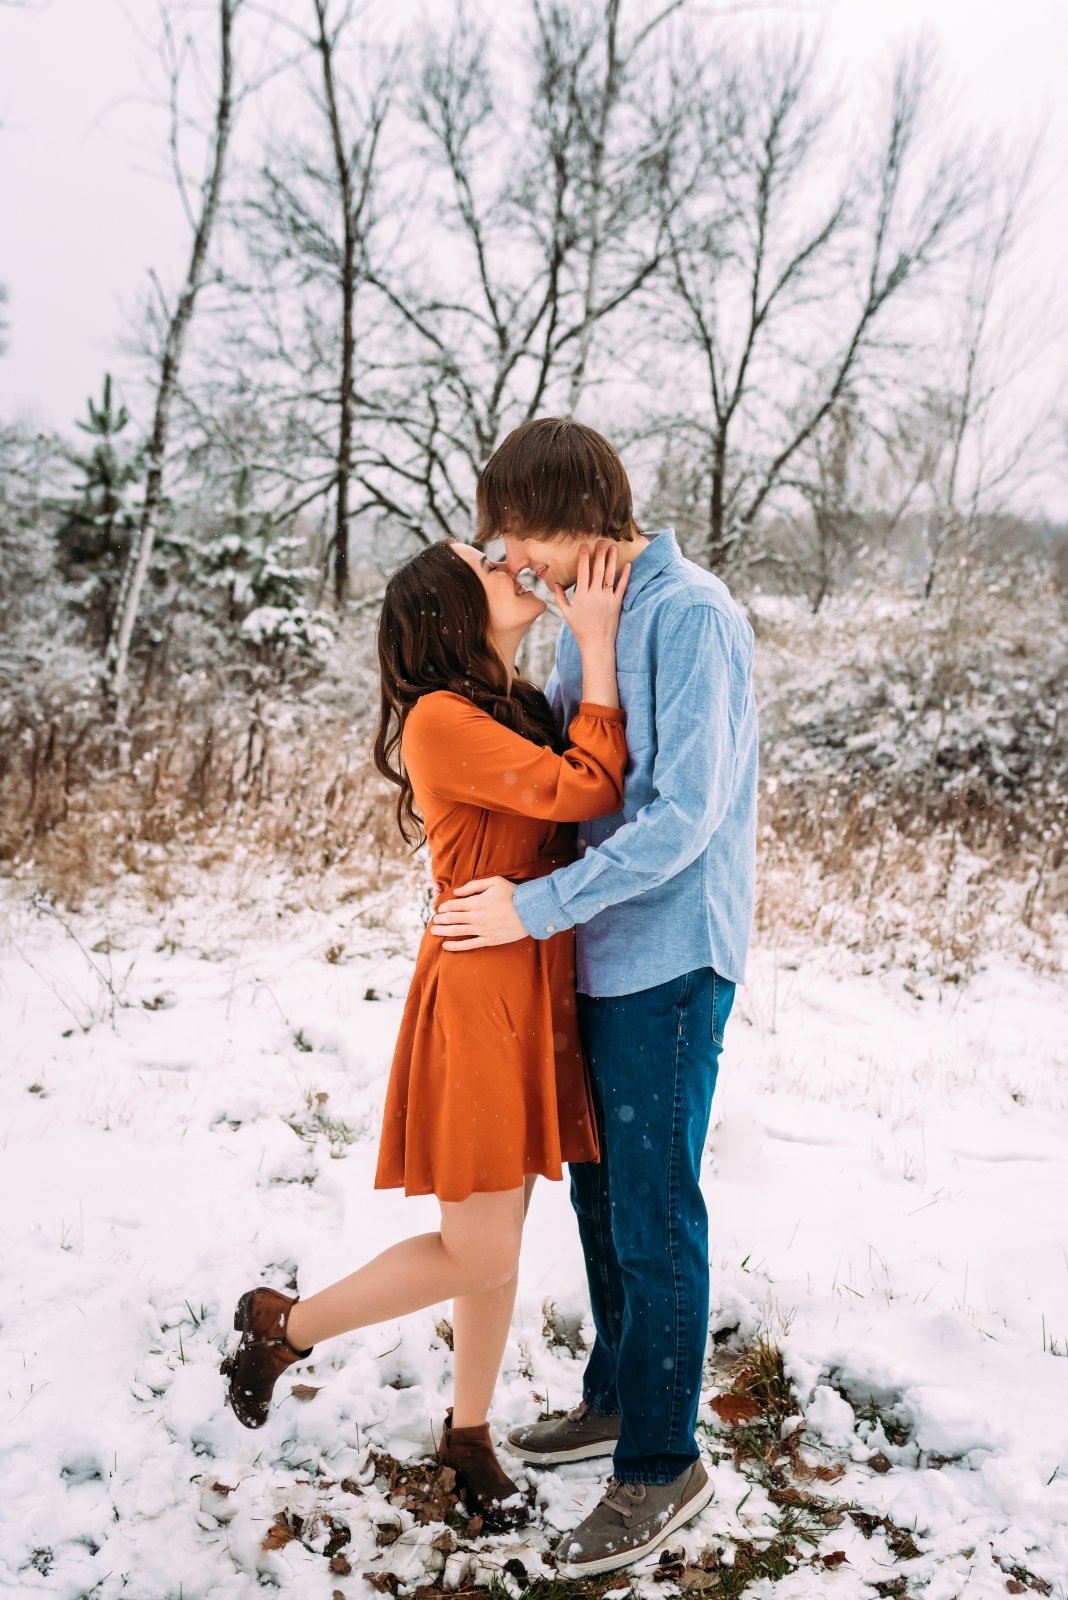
887	1182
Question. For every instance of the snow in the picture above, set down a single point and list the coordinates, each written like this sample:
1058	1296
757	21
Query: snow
887	1191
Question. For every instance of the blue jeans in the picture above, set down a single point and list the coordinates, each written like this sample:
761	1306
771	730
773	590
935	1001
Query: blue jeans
653	1059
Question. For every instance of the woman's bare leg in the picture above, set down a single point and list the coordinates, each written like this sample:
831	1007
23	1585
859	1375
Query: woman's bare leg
480	1323
476	1250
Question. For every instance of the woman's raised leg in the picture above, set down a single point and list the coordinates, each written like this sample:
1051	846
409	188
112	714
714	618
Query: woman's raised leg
475	1251
480	1323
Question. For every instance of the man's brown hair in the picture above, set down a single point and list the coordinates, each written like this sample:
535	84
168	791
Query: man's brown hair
553	476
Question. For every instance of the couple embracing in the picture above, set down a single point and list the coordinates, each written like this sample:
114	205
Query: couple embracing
592	849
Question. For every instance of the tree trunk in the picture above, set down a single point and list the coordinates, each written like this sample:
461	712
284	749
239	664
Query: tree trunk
609	95
344	443
824	536
348	304
717	541
140	553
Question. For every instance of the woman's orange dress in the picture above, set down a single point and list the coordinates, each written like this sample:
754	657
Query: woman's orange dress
489	1081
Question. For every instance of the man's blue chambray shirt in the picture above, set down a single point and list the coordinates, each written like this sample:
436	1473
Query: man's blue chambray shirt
666	884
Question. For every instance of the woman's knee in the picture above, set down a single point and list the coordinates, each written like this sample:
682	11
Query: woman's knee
499	1266
484	1263
483	1237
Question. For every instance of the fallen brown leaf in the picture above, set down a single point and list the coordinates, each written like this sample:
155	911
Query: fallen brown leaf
384	1582
835	1558
341	1565
697	1579
278	1534
734	1408
305	1391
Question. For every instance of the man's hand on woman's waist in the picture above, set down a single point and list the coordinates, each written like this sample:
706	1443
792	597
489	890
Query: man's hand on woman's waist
483	916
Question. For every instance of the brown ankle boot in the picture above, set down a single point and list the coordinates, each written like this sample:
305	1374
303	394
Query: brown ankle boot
262	1355
487	1489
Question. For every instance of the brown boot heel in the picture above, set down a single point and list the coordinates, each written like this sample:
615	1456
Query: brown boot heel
487	1489
262	1355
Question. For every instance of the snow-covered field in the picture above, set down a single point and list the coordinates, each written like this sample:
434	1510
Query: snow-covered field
888	1187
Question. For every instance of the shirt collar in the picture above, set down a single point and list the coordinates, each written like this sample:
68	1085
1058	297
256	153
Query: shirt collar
663	548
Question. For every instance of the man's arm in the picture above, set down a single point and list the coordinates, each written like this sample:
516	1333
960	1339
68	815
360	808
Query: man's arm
698	702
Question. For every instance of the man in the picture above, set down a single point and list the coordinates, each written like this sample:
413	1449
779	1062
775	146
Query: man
661	897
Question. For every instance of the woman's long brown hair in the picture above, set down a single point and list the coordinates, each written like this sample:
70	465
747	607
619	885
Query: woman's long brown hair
434	633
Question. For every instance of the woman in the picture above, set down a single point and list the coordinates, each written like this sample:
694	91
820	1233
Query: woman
488	1085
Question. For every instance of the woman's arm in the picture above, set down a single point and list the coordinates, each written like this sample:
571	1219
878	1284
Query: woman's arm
456	751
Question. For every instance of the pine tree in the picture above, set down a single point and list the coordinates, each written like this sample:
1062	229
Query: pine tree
258	569
98	520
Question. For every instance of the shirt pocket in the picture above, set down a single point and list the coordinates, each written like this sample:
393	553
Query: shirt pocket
636	698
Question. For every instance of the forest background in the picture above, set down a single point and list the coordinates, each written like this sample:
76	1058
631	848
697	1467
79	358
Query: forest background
801	302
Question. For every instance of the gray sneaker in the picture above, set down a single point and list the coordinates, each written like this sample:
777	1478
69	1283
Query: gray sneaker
631	1520
582	1433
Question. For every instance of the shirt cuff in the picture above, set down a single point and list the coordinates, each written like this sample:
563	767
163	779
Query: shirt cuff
538	908
590	708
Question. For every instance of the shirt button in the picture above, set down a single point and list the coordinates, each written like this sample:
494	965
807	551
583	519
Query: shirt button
550	927
600	905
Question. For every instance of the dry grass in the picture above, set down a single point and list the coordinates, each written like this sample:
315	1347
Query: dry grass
914	802
841	868
195	787
937	877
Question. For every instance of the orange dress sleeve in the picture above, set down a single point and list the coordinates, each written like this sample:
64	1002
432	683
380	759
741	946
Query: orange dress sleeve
454	750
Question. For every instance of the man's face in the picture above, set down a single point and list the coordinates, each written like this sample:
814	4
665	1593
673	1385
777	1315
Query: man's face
552	560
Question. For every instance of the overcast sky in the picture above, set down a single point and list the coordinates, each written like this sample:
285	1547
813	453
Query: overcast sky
87	207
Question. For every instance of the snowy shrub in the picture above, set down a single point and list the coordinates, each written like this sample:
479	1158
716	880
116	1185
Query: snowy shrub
915	772
296	627
261	571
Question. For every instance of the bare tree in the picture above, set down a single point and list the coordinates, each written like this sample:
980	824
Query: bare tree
550	206
290	393
984	452
609	163
482	261
833	534
177	318
354	165
782	280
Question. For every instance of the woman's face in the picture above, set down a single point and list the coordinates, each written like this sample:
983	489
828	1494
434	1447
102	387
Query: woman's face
511	606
